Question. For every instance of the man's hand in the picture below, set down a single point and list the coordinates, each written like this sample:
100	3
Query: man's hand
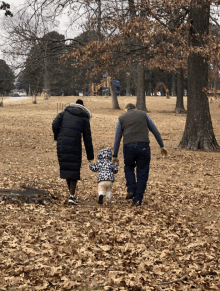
164	152
91	162
116	161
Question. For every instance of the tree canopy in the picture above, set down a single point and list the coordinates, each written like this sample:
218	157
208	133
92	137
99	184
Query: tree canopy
48	68
7	78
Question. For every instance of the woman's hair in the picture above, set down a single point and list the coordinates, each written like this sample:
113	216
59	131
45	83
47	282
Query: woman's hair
79	101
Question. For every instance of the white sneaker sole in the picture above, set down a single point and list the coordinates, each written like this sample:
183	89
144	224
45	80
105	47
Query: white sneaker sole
72	202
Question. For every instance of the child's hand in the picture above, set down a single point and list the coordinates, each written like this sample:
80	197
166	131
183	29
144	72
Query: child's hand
92	162
116	161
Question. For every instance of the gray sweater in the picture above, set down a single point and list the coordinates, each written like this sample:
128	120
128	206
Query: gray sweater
134	126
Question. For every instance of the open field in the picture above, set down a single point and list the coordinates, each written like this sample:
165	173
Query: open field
91	247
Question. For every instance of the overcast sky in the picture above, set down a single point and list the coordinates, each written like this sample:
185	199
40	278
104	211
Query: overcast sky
62	28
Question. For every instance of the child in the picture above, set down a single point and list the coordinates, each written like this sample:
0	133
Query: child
106	170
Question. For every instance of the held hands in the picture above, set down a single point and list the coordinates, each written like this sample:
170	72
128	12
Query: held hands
164	152
91	162
116	161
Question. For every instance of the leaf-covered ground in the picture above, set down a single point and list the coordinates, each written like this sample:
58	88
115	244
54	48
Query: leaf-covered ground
175	233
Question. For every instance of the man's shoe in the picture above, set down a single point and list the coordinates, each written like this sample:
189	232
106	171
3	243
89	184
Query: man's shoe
100	201
130	195
136	203
72	200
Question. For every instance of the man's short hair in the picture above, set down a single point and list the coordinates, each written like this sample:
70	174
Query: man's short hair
130	106
79	101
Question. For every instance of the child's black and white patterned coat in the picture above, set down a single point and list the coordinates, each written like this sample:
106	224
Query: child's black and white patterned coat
104	166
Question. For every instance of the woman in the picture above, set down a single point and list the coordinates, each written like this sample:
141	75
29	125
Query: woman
68	128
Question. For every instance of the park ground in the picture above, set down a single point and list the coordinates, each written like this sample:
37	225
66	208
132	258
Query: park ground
174	234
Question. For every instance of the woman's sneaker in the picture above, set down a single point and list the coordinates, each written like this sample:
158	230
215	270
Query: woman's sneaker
72	200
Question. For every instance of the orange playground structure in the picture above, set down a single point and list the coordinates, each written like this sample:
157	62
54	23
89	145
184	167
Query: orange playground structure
95	87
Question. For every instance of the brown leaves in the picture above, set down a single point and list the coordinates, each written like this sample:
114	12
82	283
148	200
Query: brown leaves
89	247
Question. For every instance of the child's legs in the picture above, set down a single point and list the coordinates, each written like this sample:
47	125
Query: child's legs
101	188
105	187
109	185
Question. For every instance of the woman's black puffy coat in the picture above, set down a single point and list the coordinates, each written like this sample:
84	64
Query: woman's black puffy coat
68	127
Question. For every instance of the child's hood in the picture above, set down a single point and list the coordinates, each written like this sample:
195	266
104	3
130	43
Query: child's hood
105	154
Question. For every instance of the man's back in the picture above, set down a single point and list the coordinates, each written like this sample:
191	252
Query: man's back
134	126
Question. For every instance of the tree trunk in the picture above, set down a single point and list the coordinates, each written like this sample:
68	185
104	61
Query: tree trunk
140	84
180	92
99	18
128	84
141	103
115	104
132	8
149	91
215	81
46	80
46	77
173	87
198	133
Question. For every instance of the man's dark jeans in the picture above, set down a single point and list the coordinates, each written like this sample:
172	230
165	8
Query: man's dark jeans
136	154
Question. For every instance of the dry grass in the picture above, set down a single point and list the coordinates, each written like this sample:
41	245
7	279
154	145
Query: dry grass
88	247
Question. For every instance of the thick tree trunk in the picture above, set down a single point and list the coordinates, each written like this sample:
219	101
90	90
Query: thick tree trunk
115	104
198	133
141	102
180	92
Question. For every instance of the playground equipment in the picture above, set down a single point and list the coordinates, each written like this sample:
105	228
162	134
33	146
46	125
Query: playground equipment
165	88
103	88
95	88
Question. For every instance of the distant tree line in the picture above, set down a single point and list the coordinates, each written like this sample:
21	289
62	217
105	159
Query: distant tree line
48	68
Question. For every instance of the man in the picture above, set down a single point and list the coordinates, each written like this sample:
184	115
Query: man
68	128
134	126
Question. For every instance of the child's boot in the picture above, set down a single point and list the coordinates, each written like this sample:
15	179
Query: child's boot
101	196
